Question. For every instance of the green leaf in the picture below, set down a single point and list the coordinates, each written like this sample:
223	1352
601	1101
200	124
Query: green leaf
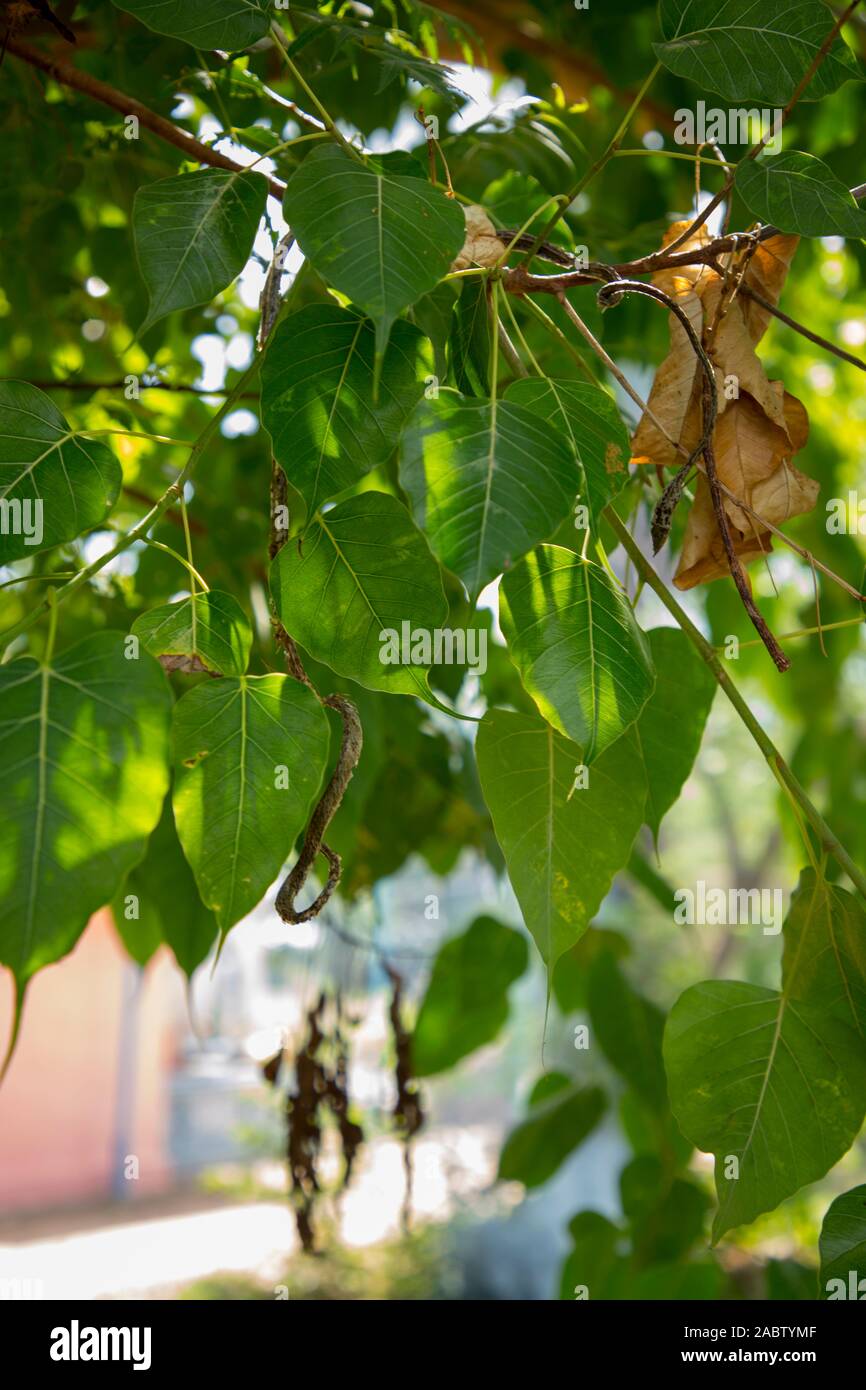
362	571
535	1149
665	1214
170	908
589	419
786	1280
402	65
759	1077
209	632
383	241
250	754
486	483
470	338
842	1247
466	1002
84	766
629	1030
193	236
753	50
54	484
672	722
749	1068
140	935
824	958
317	397
551	1083
433	313
230	24
682	1281
581	656
562	847
799	193
571	976
510	199
593	1263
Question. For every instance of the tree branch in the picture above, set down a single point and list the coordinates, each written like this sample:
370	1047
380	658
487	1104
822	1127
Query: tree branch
828	840
518	281
70	76
802	329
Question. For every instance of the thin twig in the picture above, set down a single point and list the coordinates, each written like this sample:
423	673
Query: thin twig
282	45
77	384
270	299
792	544
568	198
509	351
805	632
803	330
829	842
270	305
605	357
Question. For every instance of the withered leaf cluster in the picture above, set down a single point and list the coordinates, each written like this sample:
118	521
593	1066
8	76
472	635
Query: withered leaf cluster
318	1087
760	425
321	1086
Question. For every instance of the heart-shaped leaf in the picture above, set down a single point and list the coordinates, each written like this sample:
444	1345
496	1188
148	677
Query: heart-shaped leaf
356	591
572	635
825	950
487	481
589	419
54	484
774	1084
84	766
208	632
382	240
230	24
250	754
774	1088
193	236
317	397
564	835
753	50
799	193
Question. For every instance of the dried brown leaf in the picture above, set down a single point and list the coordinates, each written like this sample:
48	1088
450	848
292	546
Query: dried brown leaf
482	246
758	429
766	274
753	460
675	396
